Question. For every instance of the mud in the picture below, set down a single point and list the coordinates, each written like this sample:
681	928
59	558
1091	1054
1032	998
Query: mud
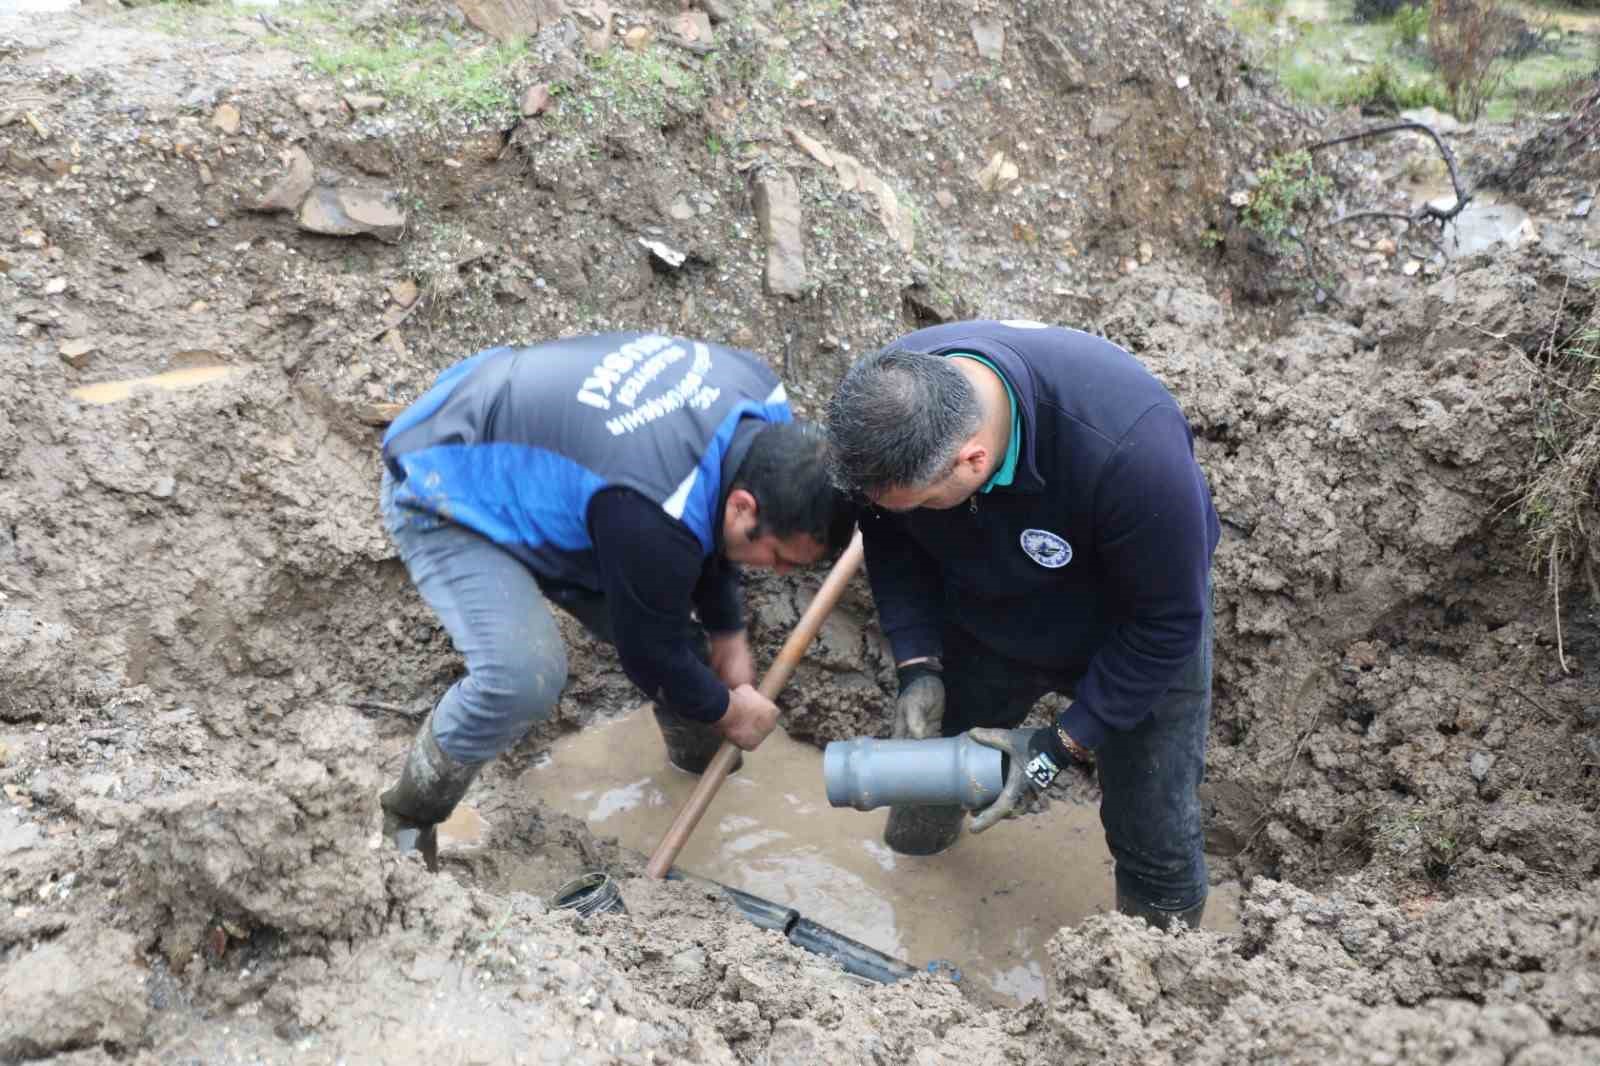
210	659
986	906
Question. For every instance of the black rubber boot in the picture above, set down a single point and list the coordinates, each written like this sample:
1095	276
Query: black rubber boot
1159	918
923	830
430	786
690	744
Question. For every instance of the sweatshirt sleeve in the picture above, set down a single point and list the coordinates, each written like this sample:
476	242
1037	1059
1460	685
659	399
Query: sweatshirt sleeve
717	597
905	586
1152	530
650	566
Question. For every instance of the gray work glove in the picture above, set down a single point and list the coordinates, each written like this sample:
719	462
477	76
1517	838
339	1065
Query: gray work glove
919	709
1032	764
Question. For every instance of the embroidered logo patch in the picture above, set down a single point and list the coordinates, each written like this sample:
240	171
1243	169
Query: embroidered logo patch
1046	549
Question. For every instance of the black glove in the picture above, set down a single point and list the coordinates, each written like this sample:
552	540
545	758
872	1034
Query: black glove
919	709
1034	760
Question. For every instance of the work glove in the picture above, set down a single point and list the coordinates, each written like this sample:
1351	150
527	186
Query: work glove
919	709
1033	763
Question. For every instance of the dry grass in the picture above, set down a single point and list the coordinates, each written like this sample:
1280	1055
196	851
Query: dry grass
1557	508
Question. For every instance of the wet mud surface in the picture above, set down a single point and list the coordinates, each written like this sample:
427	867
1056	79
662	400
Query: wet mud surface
211	660
986	906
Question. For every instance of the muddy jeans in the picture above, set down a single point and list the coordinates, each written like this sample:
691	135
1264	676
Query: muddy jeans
1150	775
499	621
499	618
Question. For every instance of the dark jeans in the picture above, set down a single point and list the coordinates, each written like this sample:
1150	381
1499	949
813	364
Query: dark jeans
1150	775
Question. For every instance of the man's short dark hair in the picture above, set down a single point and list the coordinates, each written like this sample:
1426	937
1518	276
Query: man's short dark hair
898	419
788	472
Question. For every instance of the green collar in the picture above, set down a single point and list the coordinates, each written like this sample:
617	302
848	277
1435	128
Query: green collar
1008	468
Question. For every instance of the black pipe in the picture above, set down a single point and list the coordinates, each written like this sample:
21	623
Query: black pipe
856	957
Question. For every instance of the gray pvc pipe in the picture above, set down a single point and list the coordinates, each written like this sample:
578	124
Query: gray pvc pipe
947	771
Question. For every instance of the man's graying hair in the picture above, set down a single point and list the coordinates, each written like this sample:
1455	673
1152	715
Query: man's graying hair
898	419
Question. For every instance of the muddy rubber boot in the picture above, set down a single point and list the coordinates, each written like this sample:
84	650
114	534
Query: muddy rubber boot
1159	918
922	830
690	744
429	788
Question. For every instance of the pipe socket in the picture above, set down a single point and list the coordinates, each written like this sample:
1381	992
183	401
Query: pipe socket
948	771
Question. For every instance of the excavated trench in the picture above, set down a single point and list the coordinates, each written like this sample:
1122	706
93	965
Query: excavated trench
986	907
213	661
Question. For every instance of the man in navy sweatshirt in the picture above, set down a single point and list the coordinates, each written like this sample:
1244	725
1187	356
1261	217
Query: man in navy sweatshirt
1039	524
624	478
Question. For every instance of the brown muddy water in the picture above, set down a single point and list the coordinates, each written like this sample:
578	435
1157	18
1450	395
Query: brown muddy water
987	905
172	381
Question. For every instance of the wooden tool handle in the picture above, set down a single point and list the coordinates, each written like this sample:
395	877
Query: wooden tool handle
777	676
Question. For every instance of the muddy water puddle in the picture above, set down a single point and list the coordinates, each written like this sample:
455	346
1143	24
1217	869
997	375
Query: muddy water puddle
105	392
987	905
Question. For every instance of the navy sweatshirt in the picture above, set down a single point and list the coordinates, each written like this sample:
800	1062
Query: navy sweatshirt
1094	562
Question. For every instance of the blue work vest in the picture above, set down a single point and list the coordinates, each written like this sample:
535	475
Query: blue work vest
514	442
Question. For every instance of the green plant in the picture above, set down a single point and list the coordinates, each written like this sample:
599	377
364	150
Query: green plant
1467	39
641	85
411	67
1409	23
1289	186
1383	89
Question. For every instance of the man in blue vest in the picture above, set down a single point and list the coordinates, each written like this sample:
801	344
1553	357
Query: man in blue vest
1040	525
625	478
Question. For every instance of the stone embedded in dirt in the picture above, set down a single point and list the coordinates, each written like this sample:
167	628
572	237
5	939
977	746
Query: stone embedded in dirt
778	210
291	188
83	988
897	222
1411	267
536	101
990	37
378	414
663	257
680	209
1058	60
810	145
941	81
637	39
1428	116
508	20
403	292
318	104
77	352
55	286
945	198
1386	246
692	26
1107	120
1479	765
31	238
363	104
344	212
226	119
999	173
